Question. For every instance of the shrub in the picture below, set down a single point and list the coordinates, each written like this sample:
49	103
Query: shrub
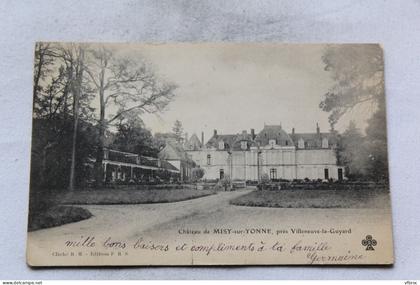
265	178
225	183
57	216
197	173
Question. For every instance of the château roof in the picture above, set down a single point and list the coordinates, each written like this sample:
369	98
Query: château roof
215	139
274	132
269	132
313	140
243	137
193	143
173	151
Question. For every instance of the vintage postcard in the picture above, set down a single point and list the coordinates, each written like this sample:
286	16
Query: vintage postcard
209	154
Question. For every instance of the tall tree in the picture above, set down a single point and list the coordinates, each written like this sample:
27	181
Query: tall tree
77	90
352	153
44	59
376	145
358	74
123	85
357	71
60	98
49	91
178	130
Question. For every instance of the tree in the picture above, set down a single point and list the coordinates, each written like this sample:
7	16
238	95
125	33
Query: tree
225	182
358	74
197	173
67	78
178	130
123	85
357	71
60	99
352	152
133	137
44	58
77	93
376	145
54	79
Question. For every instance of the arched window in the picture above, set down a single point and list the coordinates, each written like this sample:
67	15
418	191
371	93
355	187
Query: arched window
208	159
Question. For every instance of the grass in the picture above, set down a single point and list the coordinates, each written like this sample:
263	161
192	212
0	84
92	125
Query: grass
52	209
314	199
56	216
120	196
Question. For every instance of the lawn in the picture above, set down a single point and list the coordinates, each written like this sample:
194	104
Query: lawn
314	199
121	196
51	209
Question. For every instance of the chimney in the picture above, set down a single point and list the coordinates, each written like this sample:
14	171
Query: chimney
252	134
215	133
293	131
244	132
317	129
202	138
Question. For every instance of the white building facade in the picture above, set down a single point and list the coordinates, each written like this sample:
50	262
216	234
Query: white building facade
273	152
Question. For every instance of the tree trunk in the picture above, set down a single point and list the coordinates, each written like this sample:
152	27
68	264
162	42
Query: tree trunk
66	91
77	90
99	173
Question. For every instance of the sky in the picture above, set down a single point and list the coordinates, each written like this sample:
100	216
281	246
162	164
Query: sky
235	87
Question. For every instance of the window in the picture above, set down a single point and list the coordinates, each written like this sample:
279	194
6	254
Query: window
340	174
221	145
221	173
326	174
301	143
272	143
208	159
244	145
324	143
287	142
273	173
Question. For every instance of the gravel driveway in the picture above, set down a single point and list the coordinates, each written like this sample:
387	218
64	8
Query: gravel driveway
176	222
126	221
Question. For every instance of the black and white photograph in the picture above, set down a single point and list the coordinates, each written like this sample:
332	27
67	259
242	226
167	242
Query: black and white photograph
209	154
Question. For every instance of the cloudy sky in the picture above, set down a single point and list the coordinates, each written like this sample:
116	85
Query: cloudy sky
235	87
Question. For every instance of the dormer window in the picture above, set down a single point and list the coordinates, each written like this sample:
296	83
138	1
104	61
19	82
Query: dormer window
272	143
324	143
301	143
244	145
221	145
208	159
